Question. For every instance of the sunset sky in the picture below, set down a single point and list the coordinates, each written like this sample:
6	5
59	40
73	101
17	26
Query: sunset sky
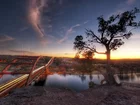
48	27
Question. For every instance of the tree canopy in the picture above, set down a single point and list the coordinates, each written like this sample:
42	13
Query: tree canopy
111	33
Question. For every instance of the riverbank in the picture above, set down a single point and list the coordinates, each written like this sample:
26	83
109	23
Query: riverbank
127	94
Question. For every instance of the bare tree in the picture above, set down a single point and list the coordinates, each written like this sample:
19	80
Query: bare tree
112	33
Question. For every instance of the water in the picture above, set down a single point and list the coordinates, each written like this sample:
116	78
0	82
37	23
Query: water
130	78
74	82
5	78
81	82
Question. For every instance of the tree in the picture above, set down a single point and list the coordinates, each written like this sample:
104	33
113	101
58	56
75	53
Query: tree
85	64
112	33
88	54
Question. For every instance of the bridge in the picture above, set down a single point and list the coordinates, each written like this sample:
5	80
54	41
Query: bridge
29	69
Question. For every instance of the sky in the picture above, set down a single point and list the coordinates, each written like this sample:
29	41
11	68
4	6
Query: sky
49	27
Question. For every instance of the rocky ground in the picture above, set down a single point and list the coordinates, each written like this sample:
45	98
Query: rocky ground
102	95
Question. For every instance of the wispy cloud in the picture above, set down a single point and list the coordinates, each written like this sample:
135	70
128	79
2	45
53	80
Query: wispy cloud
86	22
130	2
34	15
22	52
23	29
5	38
68	32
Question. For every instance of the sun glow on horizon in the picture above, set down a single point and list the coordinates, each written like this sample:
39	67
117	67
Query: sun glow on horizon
100	56
97	56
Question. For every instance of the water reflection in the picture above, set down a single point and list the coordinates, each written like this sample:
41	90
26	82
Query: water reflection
73	82
6	78
82	82
131	78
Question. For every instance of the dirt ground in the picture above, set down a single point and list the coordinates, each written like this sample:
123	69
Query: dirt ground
102	95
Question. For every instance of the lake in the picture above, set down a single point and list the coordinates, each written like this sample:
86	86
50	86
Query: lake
5	78
74	82
81	82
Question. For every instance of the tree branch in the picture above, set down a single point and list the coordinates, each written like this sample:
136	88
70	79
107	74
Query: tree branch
94	50
102	34
98	41
112	36
124	34
133	29
119	36
92	33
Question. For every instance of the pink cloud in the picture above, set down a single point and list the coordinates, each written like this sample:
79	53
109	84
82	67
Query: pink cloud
35	17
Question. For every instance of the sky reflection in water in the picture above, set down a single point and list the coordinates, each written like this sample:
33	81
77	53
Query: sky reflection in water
73	82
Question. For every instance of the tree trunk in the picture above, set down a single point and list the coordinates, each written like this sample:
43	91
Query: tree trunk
109	72
108	57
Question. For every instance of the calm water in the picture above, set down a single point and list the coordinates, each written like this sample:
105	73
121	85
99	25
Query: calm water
131	78
6	78
74	82
81	82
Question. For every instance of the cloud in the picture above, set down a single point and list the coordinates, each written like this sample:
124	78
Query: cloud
68	32
86	22
23	29
130	2
35	15
5	38
22	52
